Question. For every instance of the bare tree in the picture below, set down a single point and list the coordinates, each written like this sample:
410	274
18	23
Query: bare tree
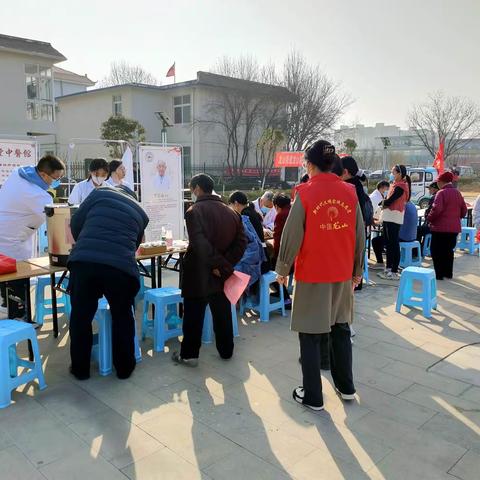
452	119
270	141
122	72
319	104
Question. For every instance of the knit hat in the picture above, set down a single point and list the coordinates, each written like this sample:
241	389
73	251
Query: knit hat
445	177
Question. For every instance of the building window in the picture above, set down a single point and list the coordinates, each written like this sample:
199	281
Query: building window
187	162
39	86
117	105
182	109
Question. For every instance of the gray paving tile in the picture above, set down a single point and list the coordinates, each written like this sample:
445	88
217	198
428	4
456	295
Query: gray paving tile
467	467
15	466
115	438
375	378
472	394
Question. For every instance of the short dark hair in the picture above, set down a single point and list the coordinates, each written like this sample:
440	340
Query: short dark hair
49	164
113	165
238	197
409	183
382	183
321	154
98	164
204	181
281	200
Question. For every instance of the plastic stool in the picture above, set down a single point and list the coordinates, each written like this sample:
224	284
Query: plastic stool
265	306
163	326
42	240
207	333
365	268
464	222
42	308
466	240
407	257
427	243
11	333
426	298
141	292
102	341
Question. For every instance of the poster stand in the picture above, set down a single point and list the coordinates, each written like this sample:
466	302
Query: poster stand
16	151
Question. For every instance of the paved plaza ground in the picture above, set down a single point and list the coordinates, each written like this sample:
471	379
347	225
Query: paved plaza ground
416	416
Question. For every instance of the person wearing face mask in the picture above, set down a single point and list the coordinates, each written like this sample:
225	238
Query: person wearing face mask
117	173
98	169
264	206
392	216
23	198
378	195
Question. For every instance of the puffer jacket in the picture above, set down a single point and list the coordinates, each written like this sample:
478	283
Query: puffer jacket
447	211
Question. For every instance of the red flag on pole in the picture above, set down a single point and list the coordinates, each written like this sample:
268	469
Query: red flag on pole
171	71
439	162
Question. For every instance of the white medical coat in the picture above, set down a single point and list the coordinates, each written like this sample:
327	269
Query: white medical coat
22	206
81	191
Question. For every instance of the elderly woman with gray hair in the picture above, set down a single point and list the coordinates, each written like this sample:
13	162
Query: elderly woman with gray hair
264	206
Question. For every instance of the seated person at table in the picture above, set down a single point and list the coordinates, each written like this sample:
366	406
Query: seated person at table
408	230
264	206
108	228
424	229
378	195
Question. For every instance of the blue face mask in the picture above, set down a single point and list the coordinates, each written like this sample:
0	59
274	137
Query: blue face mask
391	177
55	183
264	210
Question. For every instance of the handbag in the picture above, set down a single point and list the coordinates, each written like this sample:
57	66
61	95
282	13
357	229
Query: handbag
7	265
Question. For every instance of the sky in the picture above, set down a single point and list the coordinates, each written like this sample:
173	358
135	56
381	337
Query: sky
386	54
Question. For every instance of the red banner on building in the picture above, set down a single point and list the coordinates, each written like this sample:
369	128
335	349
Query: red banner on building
288	159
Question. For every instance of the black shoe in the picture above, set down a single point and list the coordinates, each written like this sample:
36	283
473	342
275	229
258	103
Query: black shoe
439	278
299	395
78	377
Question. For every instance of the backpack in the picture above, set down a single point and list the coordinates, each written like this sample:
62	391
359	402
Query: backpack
367	209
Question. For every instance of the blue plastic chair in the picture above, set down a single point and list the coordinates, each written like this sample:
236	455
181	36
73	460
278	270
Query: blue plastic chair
165	324
207	332
425	298
464	222
410	254
366	276
265	304
466	240
427	243
102	341
42	308
11	333
42	240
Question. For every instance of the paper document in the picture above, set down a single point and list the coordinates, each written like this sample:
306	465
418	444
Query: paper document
235	286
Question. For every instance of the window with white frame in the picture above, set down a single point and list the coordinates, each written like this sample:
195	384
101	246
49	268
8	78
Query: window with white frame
39	86
117	105
182	109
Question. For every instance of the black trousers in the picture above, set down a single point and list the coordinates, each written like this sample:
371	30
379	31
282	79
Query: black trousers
422	231
340	362
392	242
378	245
193	316
88	283
17	289
442	253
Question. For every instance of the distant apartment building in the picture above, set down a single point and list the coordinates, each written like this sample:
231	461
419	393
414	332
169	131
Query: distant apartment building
30	82
196	111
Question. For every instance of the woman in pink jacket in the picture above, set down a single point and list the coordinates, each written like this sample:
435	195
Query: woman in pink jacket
445	223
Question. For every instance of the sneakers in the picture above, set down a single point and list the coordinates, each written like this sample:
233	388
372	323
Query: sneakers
188	362
389	275
345	396
299	394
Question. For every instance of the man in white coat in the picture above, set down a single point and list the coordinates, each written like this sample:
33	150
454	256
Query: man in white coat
23	197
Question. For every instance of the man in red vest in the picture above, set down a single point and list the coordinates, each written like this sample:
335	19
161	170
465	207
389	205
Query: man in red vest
326	235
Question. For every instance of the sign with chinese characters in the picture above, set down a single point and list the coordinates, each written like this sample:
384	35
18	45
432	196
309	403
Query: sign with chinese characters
288	159
162	189
332	208
14	154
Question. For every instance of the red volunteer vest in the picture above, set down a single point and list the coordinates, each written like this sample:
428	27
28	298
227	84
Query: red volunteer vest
328	248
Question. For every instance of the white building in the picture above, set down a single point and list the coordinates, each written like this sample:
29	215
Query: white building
28	77
191	106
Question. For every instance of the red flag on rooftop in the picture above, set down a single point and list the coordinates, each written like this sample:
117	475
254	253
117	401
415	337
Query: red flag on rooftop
439	162
171	71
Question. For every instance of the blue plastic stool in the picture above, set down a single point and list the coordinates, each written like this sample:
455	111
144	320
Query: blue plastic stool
427	243
102	341
466	240
11	333
165	324
42	308
464	222
407	256
207	333
265	306
141	292
426	298
42	240
365	268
